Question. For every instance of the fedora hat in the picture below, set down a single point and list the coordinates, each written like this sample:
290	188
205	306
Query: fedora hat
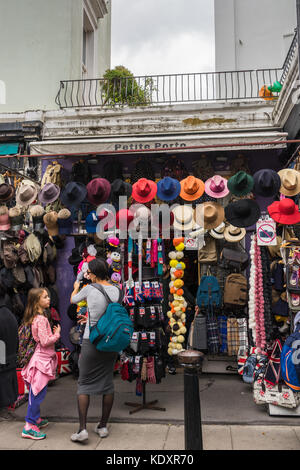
73	194
26	193
51	221
168	189
144	190
7	192
218	232
240	184
285	212
191	188
290	182
209	215
234	234
16	218
242	213
120	188
266	183
98	191
216	187
65	222
123	218
183	218
49	193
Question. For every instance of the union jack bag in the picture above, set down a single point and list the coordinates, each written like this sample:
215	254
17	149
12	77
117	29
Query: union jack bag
63	363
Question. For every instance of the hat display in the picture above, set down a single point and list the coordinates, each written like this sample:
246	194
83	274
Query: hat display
7	192
240	184
144	190
191	188
209	215
234	234
37	212
290	182
9	254
75	257
218	232
4	218
26	193
266	183
33	247
216	187
123	218
49	193
183	218
120	188
65	222
73	194
284	212
242	213
16	218
168	189
98	191
50	220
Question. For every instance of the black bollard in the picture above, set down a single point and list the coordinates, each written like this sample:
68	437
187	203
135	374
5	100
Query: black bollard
191	361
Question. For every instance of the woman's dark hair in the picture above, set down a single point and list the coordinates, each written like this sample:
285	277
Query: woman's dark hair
99	267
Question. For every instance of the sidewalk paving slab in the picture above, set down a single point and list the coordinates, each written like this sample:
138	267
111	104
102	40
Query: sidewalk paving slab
264	438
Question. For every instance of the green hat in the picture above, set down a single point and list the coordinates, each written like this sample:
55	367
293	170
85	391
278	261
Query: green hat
240	184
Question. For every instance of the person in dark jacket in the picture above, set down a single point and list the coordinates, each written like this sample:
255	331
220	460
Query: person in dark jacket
8	353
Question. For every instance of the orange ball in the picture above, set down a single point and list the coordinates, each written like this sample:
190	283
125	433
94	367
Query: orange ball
176	241
180	292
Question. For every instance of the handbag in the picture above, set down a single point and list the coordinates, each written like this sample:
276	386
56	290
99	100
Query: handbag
208	254
280	394
234	259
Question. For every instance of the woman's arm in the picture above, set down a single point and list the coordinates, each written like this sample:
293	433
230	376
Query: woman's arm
77	296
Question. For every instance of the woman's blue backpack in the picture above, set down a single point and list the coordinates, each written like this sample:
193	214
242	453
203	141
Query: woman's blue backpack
114	328
290	361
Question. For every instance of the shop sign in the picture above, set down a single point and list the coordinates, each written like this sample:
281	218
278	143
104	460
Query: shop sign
191	243
266	232
149	145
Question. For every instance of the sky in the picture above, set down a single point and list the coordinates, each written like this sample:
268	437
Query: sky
163	36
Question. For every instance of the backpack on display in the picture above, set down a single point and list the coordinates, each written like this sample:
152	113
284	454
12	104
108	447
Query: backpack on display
114	328
290	361
234	259
27	345
236	290
208	253
208	293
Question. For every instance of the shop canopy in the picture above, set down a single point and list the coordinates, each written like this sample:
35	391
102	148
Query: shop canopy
9	148
161	144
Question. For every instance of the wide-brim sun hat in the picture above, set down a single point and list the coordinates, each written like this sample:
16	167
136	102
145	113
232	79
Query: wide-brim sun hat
218	232
26	193
98	191
240	184
234	234
216	187
266	183
168	189
73	194
209	215
183	218
191	188
144	190
242	213
290	182
49	193
284	212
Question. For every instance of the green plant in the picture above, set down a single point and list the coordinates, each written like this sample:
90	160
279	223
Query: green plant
119	87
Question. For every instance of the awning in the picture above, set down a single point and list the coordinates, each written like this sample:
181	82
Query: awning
161	144
9	148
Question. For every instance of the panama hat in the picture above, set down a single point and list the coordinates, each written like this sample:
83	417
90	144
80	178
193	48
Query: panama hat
240	184
290	182
183	218
285	212
26	193
218	232
216	187
144	190
73	194
191	188
266	183
242	213
234	234
209	215
49	193
168	189
98	191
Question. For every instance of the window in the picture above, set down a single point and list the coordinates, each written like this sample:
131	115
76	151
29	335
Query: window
88	46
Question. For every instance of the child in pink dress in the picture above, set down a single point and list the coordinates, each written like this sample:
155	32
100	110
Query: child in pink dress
42	365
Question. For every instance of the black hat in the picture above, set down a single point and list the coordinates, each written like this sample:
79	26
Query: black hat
75	258
266	183
120	188
242	213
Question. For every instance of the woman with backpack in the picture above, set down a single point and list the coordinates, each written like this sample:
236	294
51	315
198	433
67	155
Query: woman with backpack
43	363
95	367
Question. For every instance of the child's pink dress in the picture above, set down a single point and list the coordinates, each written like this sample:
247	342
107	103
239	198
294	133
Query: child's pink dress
42	365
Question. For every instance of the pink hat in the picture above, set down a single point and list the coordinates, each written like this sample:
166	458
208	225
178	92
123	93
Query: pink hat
4	222
216	187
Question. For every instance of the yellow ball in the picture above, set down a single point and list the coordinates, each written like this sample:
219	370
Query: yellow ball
178	346
178	283
180	247
169	314
170	352
173	263
180	339
183	330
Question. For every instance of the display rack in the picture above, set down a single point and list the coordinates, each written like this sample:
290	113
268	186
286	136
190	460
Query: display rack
144	405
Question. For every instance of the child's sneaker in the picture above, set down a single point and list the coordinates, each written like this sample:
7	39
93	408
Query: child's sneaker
33	433
42	423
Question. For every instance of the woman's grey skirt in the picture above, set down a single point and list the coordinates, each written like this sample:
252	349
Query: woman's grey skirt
96	370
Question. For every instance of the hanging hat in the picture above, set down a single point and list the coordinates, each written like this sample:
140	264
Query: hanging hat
123	218
37	213
290	182
234	234
73	194
16	218
285	212
98	191
33	247
4	218
50	220
216	187
49	193
120	188
9	254
26	193
191	188
242	213
266	183
75	257
240	184
144	190
7	192
183	218
218	232
65	222
168	189
209	215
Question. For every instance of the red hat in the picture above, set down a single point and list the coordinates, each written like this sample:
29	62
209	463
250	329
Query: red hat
98	191
284	212
123	218
144	190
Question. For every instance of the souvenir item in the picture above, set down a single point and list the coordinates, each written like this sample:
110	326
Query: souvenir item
49	193
191	188
284	212
234	234
218	232
240	184
168	189
242	213
144	190
209	215
183	218
26	193
216	187
98	191
73	194
266	183
290	182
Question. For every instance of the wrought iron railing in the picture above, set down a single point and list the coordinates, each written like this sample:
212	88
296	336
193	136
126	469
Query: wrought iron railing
289	58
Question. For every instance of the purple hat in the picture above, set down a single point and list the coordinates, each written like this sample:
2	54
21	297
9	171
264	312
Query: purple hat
98	191
49	193
216	187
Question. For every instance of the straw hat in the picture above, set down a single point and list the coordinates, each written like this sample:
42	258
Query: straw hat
234	234
290	182
191	188
209	215
218	232
183	218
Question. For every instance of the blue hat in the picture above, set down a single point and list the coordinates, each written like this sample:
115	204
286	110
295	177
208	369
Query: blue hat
65	222
91	222
168	189
73	194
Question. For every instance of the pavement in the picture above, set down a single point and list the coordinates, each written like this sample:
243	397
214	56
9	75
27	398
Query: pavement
230	418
